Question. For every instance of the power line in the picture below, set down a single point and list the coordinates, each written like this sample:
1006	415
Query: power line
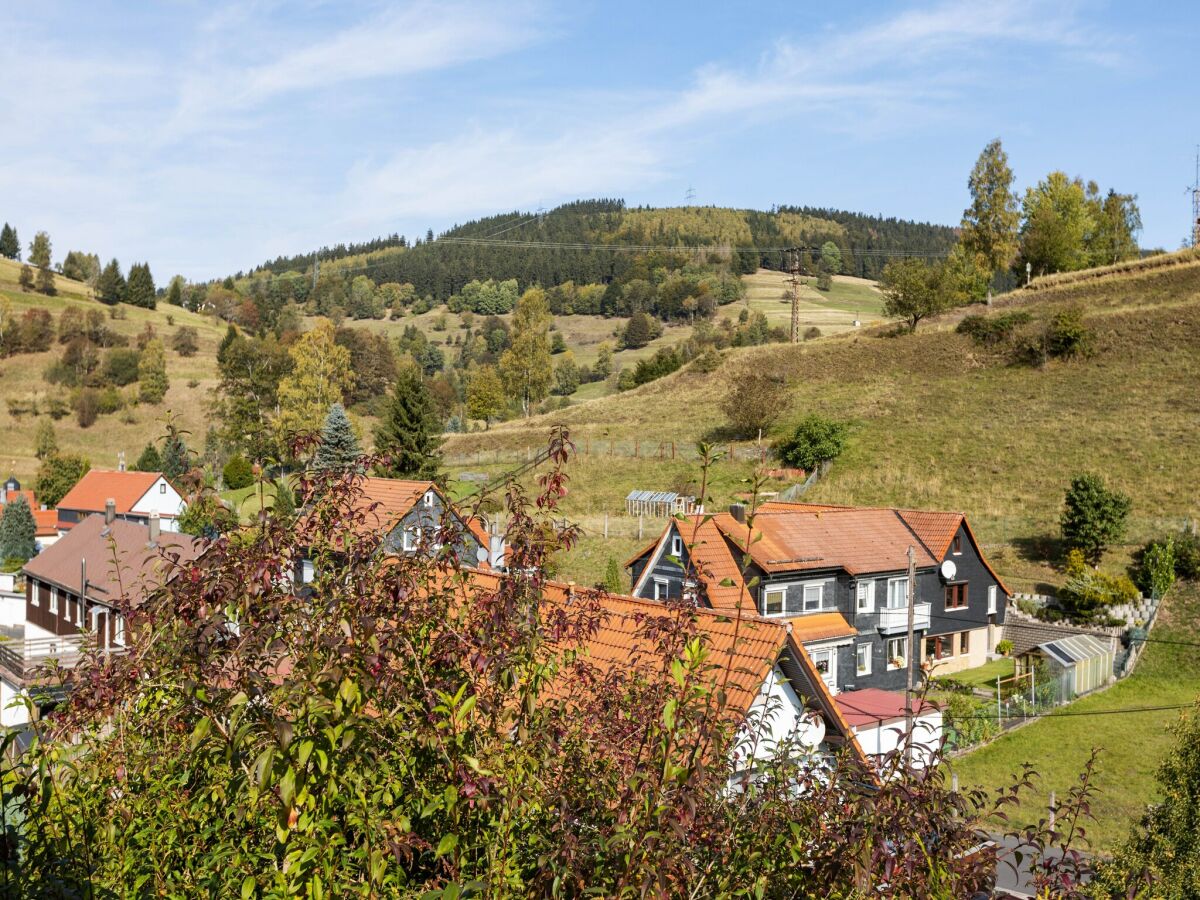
1064	713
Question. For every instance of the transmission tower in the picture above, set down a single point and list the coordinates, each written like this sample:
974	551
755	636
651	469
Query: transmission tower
1196	203
793	258
689	195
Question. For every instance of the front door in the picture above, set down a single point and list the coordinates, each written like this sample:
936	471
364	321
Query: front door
826	663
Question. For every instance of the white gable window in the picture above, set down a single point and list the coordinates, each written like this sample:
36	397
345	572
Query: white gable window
677	547
992	592
865	596
162	487
662	589
429	498
862	656
408	539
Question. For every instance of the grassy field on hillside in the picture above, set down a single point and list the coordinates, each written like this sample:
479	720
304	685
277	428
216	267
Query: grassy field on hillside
1059	744
833	311
128	430
938	422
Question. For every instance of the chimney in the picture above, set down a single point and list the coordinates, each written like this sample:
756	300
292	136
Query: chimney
110	510
121	461
154	529
738	511
496	551
3	494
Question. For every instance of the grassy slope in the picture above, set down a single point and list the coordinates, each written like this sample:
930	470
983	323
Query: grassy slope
128	430
833	312
1131	744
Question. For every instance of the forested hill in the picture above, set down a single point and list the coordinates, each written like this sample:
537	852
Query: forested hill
576	242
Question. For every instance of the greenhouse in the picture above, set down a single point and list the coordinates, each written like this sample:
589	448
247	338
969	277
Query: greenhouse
1081	663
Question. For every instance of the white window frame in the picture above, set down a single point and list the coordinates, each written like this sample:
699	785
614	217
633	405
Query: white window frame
79	611
408	539
864	596
162	487
781	590
903	657
902	581
805	588
677	546
118	629
34	594
829	655
662	585
963	644
993	598
861	670
429	499
53	600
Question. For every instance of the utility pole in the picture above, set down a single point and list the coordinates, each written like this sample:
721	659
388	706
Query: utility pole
793	256
1196	203
908	656
316	269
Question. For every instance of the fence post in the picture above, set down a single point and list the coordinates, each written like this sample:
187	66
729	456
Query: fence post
606	526
999	714
637	448
672	449
639	526
954	783
1053	810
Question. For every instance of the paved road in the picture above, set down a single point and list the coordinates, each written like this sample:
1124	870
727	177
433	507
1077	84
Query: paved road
1012	877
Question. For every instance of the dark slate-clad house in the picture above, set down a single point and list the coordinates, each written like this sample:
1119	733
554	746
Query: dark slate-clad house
413	515
838	575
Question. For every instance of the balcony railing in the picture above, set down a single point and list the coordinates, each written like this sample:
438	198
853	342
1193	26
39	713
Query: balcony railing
22	657
895	619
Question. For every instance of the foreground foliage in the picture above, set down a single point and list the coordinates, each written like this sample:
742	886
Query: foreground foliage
399	730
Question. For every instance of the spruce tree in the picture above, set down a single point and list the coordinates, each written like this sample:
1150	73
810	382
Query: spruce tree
149	461
176	460
152	373
10	246
18	531
339	448
284	506
175	291
139	289
409	435
110	286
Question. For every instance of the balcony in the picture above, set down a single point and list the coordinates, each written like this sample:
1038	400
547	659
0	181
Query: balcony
895	620
20	658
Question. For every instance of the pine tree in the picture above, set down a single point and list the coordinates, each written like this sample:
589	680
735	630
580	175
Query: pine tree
409	436
175	291
231	335
339	448
10	245
47	440
176	460
152	373
139	289
613	582
149	461
284	506
18	531
110	286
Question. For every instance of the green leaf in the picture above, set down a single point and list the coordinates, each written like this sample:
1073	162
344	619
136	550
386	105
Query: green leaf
305	751
669	714
248	886
446	845
200	732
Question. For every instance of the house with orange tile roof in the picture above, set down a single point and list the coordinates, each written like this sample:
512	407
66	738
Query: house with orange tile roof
772	685
416	516
838	576
135	495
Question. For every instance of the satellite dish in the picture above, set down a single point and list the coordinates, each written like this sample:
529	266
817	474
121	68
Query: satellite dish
481	554
948	569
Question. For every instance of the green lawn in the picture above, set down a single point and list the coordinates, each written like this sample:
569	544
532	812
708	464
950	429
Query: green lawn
985	676
1131	744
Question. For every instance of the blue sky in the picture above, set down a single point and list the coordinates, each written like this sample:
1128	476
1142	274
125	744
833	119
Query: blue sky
207	137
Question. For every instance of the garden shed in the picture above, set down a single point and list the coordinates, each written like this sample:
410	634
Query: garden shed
1081	663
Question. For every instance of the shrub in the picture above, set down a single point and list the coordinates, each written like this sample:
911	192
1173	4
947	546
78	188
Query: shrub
755	402
812	333
1067	336
185	341
989	331
708	361
1093	516
121	366
1004	647
110	401
238	473
814	441
37	330
1155	572
1087	592
87	407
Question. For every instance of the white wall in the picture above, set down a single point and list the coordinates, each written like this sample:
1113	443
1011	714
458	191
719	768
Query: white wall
883	738
778	715
12	608
168	504
16	715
